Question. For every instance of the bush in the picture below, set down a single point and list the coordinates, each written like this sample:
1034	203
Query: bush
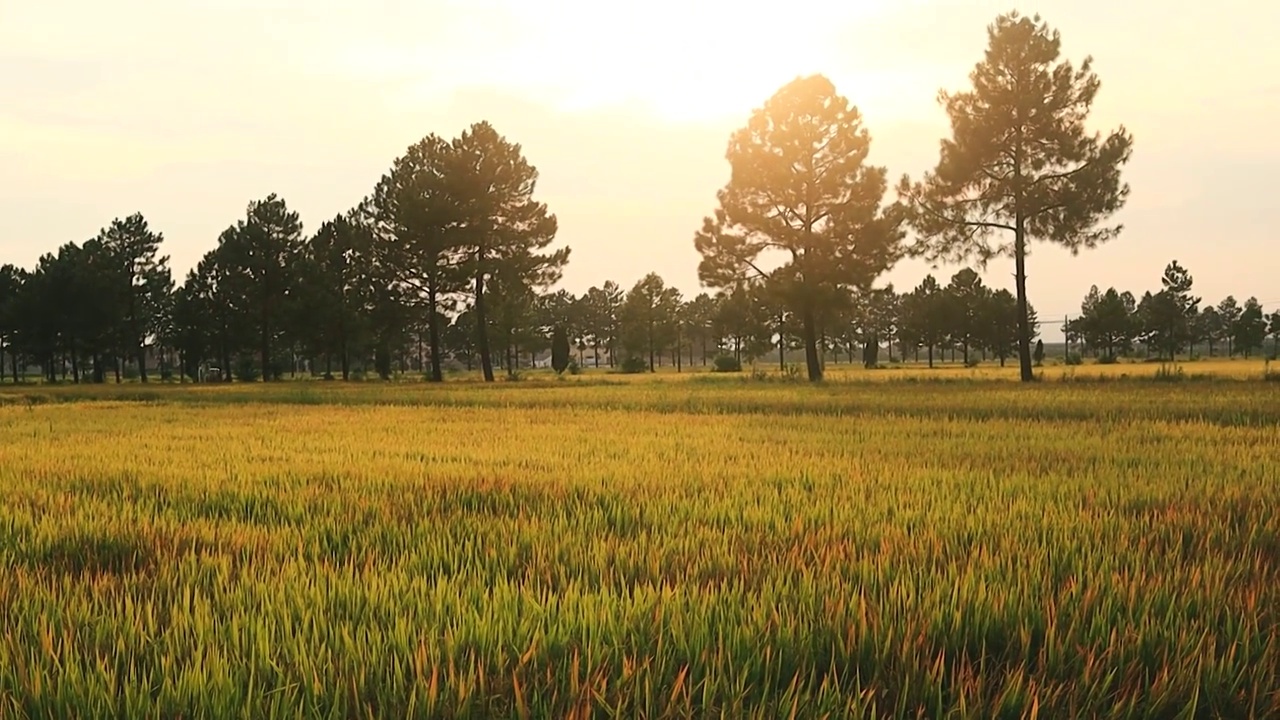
574	367
726	363
559	350
246	369
973	362
633	365
1108	360
1073	358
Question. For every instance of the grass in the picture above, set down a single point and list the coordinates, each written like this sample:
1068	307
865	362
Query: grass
642	547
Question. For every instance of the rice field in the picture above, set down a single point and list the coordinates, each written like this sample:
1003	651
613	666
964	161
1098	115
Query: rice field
663	546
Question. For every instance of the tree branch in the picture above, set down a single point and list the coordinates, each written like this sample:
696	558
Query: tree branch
964	223
1062	175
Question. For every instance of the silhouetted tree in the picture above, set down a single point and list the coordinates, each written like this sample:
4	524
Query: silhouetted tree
1107	321
1210	328
966	299
700	315
490	186
1249	331
140	281
1273	327
1019	160
1229	311
11	282
415	214
924	316
1167	316
600	317
647	319
334	289
800	190
740	324
1000	325
257	255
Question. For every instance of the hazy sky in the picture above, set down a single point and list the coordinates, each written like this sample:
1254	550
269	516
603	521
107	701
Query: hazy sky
186	110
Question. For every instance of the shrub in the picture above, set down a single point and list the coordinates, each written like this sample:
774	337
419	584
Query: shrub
1108	360
972	362
726	363
1038	356
559	350
246	369
574	367
633	365
1073	358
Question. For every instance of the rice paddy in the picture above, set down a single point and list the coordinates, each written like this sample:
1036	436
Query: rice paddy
643	547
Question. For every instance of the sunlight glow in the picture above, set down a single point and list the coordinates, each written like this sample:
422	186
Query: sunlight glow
680	60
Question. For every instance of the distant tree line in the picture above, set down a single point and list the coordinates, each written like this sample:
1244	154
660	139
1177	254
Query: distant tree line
448	261
1171	321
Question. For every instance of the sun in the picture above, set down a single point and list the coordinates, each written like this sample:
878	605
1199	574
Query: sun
687	61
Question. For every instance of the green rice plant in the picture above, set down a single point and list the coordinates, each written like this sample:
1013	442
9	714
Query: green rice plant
663	548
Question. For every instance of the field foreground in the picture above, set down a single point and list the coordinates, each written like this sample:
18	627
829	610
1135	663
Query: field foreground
647	549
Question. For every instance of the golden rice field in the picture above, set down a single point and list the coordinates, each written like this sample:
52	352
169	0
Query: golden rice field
643	548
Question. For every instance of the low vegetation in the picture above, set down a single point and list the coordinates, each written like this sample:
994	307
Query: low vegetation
620	546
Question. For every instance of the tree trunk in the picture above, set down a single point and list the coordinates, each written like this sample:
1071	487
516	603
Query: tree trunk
595	350
651	365
142	361
264	342
433	331
482	321
931	355
811	345
1020	279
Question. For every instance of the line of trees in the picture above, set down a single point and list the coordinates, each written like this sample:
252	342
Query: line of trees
449	258
1113	324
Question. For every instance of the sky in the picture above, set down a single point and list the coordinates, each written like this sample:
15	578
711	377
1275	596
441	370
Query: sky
186	110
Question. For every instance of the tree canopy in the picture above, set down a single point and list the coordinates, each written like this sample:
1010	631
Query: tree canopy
1020	164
